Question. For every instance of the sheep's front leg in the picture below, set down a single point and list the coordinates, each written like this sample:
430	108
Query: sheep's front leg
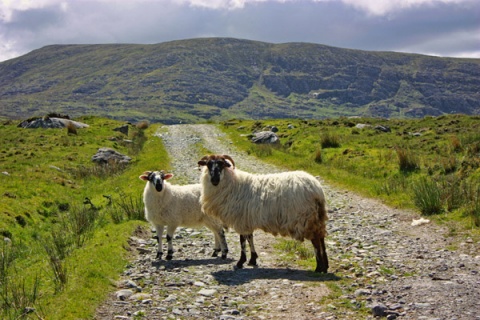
220	241
243	254
217	248
159	236
170	232
253	252
223	243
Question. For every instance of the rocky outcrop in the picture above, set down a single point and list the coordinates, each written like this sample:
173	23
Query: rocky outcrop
47	122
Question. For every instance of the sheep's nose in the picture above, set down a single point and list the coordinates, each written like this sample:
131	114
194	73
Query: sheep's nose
159	186
215	180
215	176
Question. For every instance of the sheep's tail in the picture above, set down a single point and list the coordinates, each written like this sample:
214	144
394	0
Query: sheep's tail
322	215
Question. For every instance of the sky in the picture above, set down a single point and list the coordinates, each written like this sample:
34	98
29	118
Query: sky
448	28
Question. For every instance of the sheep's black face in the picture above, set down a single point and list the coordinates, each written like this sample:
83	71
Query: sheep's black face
156	178
215	165
215	168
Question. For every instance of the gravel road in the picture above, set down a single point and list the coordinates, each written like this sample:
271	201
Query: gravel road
379	262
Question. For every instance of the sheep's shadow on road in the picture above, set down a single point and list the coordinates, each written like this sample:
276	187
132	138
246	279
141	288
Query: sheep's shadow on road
183	263
241	276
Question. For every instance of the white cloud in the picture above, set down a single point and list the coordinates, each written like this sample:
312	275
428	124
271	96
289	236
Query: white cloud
8	7
383	7
440	27
461	44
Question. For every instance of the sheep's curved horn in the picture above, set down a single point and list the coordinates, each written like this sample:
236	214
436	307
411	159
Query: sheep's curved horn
226	156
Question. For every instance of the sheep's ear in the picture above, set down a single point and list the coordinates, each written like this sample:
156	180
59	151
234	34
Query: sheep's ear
202	163
144	176
167	176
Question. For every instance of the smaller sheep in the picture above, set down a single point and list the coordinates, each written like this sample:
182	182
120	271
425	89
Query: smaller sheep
174	206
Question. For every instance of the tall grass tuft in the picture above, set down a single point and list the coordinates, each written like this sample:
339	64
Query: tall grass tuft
453	195
131	207
71	129
318	156
449	164
97	170
330	140
57	264
456	144
407	160
427	196
261	150
81	223
16	298
472	194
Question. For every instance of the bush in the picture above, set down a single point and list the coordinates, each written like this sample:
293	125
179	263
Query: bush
142	125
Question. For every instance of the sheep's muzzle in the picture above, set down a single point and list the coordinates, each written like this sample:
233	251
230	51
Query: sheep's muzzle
156	178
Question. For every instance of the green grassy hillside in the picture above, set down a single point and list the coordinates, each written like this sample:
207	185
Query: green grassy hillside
219	78
60	245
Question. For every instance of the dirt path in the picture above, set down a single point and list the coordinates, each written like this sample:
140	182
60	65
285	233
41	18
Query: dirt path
379	262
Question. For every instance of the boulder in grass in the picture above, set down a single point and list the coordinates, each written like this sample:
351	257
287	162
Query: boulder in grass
107	155
49	122
265	137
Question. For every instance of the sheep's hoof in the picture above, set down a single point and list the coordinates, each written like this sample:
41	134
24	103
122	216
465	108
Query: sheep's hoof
239	265
224	254
159	255
215	253
321	270
253	259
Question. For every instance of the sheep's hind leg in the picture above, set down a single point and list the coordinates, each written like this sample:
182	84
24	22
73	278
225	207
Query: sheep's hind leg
320	254
243	255
253	252
159	236
170	232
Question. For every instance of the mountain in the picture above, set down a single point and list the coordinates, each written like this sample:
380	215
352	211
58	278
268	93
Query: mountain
219	78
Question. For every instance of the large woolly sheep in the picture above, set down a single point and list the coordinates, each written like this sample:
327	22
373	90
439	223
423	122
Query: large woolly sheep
289	203
174	206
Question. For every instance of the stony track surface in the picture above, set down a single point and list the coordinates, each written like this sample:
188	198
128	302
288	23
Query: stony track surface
383	266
